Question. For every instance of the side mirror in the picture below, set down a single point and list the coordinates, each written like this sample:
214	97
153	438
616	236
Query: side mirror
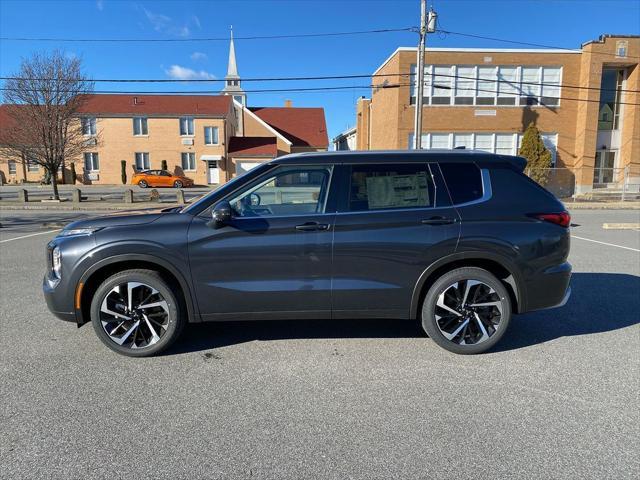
221	214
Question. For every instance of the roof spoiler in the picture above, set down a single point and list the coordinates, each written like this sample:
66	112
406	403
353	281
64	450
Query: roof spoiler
519	163
514	163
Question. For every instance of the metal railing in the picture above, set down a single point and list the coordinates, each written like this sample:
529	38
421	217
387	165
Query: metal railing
590	184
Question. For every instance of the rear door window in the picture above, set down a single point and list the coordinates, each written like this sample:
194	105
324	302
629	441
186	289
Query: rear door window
390	186
464	181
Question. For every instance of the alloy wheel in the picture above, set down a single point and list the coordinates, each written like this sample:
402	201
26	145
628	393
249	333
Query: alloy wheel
468	312
134	315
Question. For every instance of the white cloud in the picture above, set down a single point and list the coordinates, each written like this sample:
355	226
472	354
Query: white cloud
178	72
165	24
100	4
196	21
198	56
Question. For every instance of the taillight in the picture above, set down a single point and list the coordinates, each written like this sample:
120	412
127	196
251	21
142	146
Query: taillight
563	218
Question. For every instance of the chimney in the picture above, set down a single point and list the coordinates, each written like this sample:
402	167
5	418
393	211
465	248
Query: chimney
288	103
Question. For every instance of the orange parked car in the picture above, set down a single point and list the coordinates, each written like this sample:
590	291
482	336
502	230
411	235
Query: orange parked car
160	178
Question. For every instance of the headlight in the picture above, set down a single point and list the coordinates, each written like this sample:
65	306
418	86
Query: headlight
74	232
56	262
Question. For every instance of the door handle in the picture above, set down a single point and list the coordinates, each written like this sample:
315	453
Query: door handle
312	226
438	221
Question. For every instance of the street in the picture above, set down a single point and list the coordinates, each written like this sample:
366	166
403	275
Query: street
367	399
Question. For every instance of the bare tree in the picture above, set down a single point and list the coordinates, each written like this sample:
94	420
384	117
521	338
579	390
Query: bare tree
43	101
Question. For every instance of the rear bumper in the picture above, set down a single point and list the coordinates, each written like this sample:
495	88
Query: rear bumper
550	289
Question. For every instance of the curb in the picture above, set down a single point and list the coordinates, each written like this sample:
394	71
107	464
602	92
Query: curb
621	226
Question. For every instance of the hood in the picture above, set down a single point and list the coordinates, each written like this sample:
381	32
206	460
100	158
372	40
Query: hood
118	219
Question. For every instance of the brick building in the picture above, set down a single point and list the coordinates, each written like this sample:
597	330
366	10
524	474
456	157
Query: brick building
209	138
585	102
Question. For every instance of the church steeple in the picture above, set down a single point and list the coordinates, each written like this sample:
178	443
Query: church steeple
232	79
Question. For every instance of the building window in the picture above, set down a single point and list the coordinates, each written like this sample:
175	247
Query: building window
465	85
91	162
88	125
32	165
610	99
12	167
188	161
438	140
142	161
140	126
442	81
530	90
186	126
551	86
621	48
486	85
211	135
507	85
500	143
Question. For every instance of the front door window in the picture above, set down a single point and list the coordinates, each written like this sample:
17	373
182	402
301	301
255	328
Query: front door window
296	190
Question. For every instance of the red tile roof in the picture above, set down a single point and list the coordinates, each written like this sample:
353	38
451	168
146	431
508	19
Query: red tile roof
120	104
253	146
305	127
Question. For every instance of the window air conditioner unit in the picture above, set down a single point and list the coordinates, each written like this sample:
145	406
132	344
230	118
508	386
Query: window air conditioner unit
187	141
90	141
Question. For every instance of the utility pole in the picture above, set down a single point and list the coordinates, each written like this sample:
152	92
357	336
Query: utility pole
427	25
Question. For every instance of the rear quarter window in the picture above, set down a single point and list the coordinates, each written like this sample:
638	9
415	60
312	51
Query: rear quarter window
464	181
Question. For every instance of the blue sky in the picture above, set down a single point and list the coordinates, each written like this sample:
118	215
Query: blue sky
559	23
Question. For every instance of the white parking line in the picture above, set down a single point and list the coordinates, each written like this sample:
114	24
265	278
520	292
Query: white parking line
605	243
27	236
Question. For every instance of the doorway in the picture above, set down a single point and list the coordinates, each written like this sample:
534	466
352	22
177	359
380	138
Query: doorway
604	168
213	177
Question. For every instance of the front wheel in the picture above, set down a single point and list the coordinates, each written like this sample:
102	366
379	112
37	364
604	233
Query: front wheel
466	311
143	184
136	313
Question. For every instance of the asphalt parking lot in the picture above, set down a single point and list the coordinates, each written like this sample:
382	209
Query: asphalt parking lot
557	398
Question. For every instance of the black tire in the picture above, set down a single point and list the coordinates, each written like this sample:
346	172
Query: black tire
143	184
449	281
174	317
177	184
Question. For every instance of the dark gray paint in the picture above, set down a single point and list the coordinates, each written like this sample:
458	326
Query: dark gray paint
366	264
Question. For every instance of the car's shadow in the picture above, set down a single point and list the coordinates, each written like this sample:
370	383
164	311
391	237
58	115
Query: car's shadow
600	302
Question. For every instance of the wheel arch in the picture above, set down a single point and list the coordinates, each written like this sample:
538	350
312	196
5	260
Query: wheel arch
103	269
499	266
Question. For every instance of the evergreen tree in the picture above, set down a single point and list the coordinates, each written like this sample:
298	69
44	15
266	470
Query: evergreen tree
537	155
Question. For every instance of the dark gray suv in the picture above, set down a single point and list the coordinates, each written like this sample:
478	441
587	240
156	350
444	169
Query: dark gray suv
457	240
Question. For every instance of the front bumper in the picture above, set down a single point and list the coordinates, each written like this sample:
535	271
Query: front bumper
56	301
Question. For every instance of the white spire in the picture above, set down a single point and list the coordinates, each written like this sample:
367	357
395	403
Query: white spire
232	69
232	79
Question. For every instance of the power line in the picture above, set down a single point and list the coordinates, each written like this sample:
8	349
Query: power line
337	88
528	44
327	77
205	39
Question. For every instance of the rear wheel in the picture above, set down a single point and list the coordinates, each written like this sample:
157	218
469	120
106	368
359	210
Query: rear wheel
466	311
136	313
177	184
143	184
